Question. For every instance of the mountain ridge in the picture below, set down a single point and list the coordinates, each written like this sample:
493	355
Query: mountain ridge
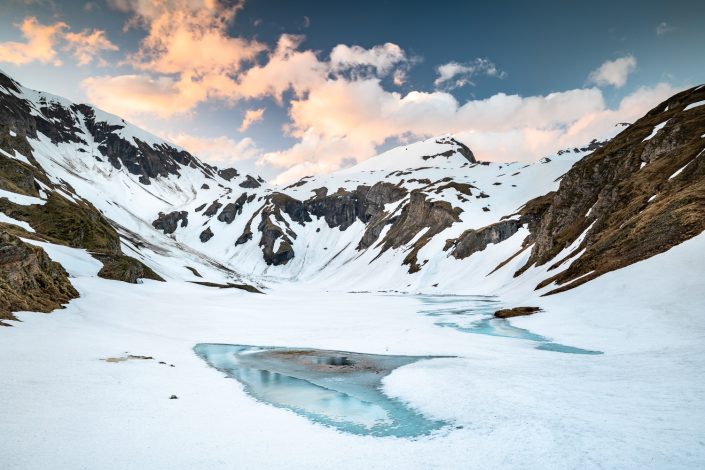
423	217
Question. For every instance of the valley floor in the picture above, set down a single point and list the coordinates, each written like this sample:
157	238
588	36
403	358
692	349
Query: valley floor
639	405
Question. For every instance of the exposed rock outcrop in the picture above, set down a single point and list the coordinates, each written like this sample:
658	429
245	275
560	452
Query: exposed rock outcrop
273	234
250	183
228	173
417	215
206	235
213	209
516	312
342	208
119	267
456	147
471	241
168	223
29	280
233	209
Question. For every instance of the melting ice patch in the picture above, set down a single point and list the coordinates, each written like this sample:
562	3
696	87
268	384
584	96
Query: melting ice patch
475	314
334	388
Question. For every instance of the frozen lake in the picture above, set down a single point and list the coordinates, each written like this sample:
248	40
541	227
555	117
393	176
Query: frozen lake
344	389
335	388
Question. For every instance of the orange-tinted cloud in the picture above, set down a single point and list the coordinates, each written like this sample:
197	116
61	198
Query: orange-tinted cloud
133	95
186	57
251	116
87	46
350	119
40	45
44	41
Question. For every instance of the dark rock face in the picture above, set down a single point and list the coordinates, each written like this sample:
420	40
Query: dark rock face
340	209
140	158
471	241
213	209
168	223
343	208
270	234
247	231
29	280
608	195
250	183
417	215
294	208
245	237
18	177
228	173
233	209
206	235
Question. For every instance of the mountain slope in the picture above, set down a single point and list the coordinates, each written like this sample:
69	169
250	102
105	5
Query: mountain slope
426	217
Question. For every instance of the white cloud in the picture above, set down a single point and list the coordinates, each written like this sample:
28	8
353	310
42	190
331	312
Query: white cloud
664	28
382	58
613	72
344	119
251	116
286	68
456	74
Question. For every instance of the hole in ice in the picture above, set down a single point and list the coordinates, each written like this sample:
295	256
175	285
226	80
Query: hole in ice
475	314
337	389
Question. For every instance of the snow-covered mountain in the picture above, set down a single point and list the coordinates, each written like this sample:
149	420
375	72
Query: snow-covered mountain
426	217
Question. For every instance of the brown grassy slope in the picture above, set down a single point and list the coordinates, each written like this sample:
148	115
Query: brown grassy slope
609	192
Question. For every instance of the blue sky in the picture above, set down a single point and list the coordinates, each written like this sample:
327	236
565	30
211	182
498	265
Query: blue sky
503	61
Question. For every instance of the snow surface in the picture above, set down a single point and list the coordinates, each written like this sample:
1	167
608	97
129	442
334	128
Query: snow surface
637	406
6	219
16	156
21	199
655	130
76	262
694	105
